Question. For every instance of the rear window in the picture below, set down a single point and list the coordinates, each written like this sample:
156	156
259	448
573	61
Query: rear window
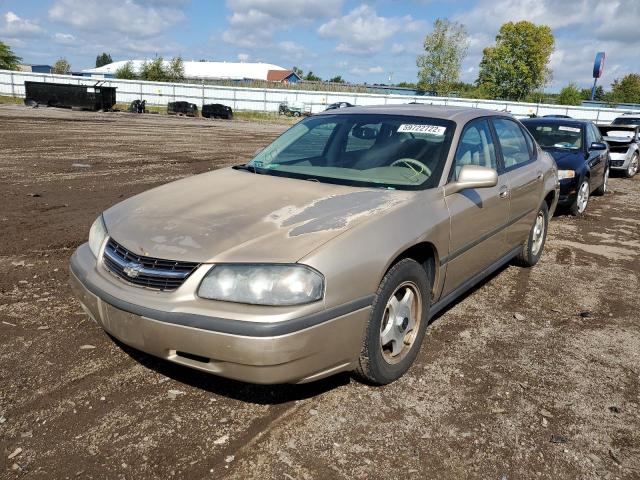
626	121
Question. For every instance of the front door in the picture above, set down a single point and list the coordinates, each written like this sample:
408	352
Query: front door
478	216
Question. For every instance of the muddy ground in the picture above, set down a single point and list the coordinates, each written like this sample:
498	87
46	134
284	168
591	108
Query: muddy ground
486	396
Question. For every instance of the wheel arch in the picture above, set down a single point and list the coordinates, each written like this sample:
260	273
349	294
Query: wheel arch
426	254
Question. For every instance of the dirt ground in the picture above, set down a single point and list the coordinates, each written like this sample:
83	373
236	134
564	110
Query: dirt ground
486	397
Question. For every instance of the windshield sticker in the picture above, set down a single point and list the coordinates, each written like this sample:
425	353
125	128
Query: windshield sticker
413	128
569	129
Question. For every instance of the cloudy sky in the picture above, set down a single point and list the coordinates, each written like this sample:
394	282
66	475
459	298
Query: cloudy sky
364	41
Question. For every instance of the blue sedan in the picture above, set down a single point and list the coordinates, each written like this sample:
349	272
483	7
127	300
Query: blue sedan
581	154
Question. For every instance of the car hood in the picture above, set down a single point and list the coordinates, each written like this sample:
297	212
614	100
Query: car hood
232	215
567	159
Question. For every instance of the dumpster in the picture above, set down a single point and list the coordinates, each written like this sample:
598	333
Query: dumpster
217	110
182	108
96	97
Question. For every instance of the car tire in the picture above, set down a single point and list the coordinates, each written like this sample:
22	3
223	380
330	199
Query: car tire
379	364
602	189
581	200
533	246
634	166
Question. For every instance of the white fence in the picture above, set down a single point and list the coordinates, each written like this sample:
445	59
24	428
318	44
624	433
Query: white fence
267	100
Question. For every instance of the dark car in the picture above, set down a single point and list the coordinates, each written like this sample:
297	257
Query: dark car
217	110
581	154
553	115
337	105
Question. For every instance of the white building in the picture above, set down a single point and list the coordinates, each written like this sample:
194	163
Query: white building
197	70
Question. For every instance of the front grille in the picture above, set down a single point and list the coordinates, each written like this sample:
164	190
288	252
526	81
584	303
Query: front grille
617	163
149	272
618	148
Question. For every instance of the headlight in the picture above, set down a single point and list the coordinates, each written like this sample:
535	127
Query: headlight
564	174
263	284
97	234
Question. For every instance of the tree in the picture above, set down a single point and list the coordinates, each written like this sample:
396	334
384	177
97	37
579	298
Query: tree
517	64
570	95
310	77
61	67
126	72
585	93
298	71
153	71
103	59
176	69
337	79
8	59
444	50
626	90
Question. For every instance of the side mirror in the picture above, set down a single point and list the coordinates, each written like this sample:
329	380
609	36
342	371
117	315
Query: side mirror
598	146
472	176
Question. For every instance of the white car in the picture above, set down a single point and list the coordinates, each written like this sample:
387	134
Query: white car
623	137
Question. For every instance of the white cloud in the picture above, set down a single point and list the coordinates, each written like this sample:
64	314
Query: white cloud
64	38
254	23
363	31
15	27
133	18
360	71
243	57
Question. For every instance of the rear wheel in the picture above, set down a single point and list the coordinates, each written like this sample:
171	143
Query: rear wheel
602	189
397	324
634	166
534	244
581	201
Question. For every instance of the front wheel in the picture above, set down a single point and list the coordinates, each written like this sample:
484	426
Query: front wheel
533	246
397	324
634	166
581	201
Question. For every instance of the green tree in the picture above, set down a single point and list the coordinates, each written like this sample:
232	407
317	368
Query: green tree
298	71
175	71
61	67
126	72
585	93
103	59
626	90
8	59
444	50
570	95
517	64
337	79
153	71
310	77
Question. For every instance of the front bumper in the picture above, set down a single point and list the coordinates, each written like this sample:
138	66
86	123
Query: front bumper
619	161
297	349
568	190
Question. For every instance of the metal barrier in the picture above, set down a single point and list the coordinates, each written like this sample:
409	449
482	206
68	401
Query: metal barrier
268	100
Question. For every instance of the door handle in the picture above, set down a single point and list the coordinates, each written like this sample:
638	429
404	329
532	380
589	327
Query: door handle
540	176
504	192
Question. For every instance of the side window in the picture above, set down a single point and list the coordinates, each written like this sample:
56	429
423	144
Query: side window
309	145
475	148
362	137
590	136
530	144
596	133
512	142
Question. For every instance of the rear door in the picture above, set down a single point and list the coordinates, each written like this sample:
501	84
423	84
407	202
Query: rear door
523	174
478	216
597	158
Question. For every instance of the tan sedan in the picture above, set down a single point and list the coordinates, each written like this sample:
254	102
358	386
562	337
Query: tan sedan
329	251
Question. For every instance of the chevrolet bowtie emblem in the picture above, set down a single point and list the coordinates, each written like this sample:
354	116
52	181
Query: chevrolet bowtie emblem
132	269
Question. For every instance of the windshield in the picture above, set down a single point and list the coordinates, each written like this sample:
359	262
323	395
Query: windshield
392	151
552	135
626	121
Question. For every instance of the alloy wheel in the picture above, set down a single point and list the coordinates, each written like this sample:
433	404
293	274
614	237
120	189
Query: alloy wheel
401	322
583	196
538	233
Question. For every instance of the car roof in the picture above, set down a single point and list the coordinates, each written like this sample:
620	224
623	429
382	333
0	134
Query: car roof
457	114
555	121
